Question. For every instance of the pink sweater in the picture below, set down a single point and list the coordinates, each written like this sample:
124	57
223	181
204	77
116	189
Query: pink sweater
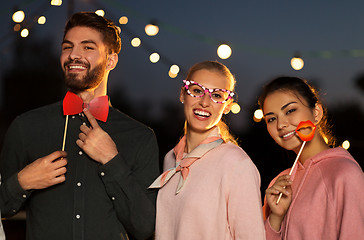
328	200
220	199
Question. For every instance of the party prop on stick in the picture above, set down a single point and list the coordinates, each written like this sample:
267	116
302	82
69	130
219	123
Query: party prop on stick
305	138
65	133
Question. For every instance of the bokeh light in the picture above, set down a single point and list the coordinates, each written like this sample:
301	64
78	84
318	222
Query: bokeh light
224	51
123	20
235	108
297	63
56	2
172	75
42	20
100	12
346	144
154	57
18	16
17	27
174	69
135	42
151	29
24	33
258	115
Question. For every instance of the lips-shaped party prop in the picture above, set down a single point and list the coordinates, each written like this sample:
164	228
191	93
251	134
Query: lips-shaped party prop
304	138
306	124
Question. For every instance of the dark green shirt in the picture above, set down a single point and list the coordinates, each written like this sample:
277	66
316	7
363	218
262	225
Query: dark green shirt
96	201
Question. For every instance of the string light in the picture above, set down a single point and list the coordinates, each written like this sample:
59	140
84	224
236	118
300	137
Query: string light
123	20
100	12
18	16
224	51
172	75
135	42
258	115
174	69
235	108
151	29
56	3
42	20
346	144
24	33
297	62
154	57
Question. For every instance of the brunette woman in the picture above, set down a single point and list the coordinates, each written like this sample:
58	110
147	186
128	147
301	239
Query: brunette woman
323	198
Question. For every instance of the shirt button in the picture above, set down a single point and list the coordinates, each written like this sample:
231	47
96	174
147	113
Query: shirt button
78	216
113	198
14	210
79	184
80	153
73	116
83	123
24	196
102	174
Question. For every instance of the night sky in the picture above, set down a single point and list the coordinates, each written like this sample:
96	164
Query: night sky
264	35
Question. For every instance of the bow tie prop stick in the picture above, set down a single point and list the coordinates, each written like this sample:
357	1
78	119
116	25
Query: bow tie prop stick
305	138
65	133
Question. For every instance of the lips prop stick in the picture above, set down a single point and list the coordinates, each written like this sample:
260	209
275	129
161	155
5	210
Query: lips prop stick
305	138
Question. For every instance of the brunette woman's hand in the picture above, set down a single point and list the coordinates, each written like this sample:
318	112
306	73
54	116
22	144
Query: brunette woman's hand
278	211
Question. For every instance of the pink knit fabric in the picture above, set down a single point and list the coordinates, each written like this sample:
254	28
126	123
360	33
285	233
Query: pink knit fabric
220	199
328	200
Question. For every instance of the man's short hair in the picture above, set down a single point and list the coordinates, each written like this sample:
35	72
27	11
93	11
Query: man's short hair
109	31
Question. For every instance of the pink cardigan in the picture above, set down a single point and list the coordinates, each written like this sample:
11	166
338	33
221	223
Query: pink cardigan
220	199
328	200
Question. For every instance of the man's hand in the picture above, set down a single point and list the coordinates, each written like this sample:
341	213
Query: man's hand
44	172
95	142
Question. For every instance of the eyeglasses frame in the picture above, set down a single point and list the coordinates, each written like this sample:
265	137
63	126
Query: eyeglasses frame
210	91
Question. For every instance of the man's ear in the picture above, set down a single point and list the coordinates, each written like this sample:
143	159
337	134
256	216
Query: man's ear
318	112
112	60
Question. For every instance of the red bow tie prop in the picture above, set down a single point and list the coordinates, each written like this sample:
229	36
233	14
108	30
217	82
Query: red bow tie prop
99	107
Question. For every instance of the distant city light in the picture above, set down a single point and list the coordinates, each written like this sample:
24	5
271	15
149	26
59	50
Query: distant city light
56	2
297	63
123	20
100	12
235	108
24	33
154	57
151	29
346	144
135	42
18	16
42	20
224	51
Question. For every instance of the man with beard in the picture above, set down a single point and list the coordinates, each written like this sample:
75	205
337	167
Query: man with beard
97	187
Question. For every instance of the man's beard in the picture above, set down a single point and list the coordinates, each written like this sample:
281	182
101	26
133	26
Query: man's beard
91	80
